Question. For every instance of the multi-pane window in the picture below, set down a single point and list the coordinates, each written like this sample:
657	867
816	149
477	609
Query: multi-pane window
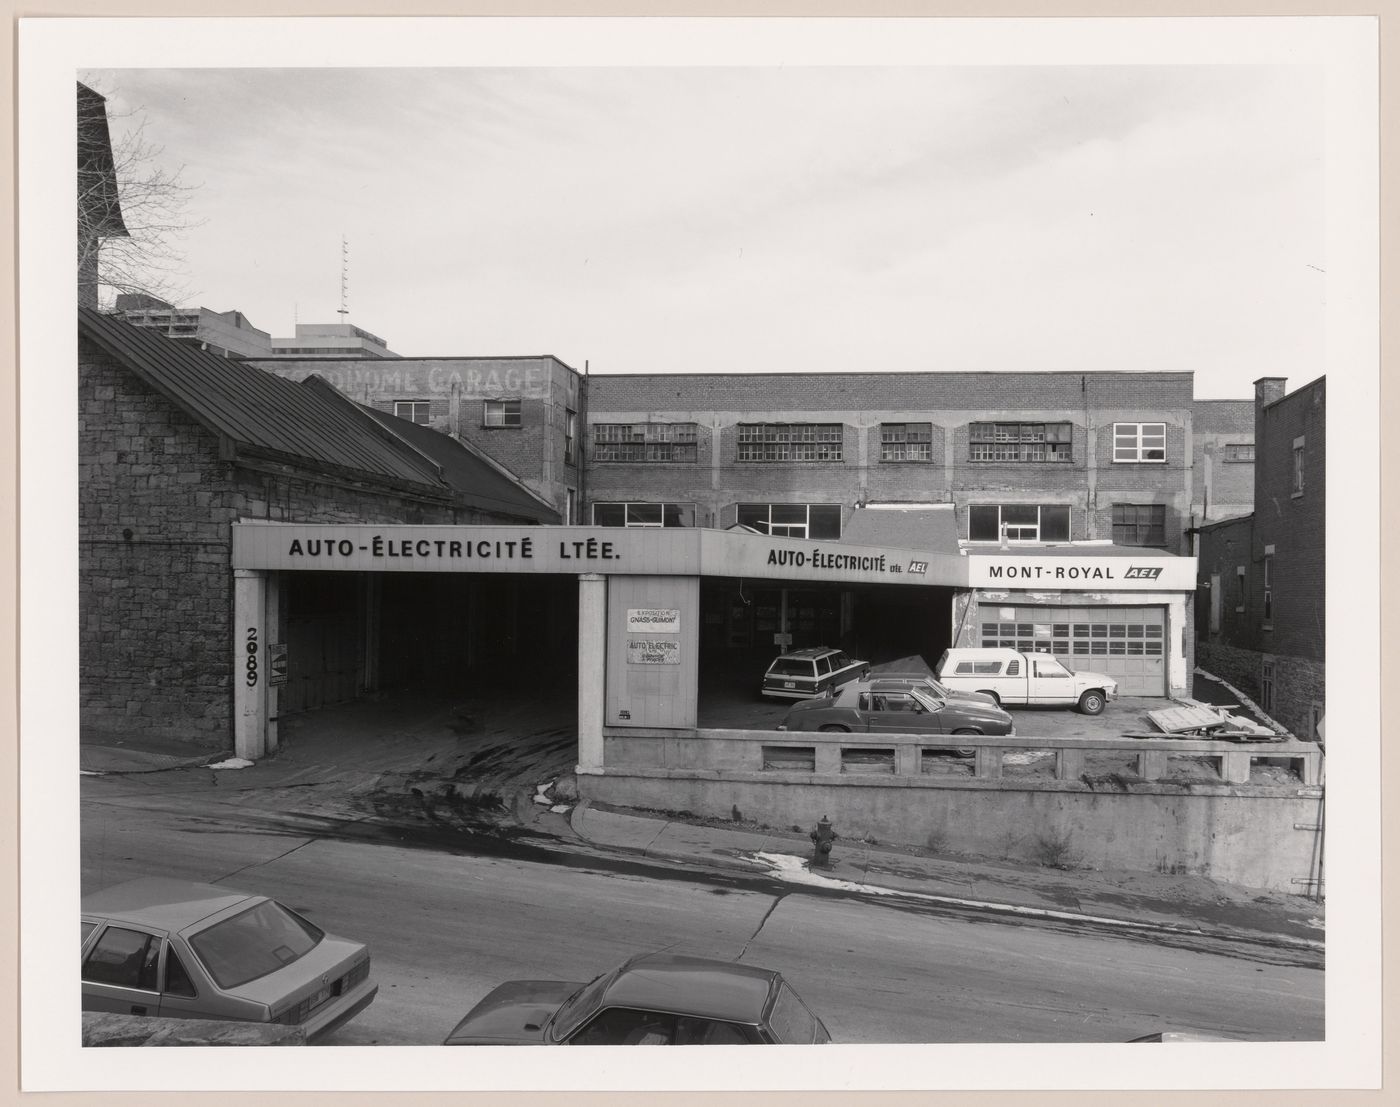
1139	442
1020	441
415	411
570	434
906	441
1081	639
793	520
790	441
1239	451
570	507
502	413
1140	524
644	442
1018	522
643	515
1297	466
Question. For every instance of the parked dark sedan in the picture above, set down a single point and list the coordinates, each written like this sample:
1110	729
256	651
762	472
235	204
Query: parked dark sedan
896	707
655	999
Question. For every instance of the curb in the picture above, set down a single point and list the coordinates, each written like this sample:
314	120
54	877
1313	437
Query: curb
1309	945
184	763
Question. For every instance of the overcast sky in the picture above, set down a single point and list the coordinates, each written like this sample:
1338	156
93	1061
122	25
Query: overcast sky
765	219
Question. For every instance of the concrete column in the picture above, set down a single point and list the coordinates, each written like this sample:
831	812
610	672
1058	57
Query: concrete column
276	633
249	664
592	670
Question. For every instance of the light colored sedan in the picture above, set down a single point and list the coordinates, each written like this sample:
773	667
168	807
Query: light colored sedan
176	949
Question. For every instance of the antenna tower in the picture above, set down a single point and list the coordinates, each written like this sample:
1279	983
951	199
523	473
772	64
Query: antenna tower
344	309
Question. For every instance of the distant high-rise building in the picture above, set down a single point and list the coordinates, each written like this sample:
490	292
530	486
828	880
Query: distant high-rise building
333	340
225	333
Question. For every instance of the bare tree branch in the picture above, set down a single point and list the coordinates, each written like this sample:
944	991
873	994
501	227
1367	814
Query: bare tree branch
133	236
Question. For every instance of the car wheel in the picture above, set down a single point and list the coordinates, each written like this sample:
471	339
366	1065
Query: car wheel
995	698
836	728
966	730
1092	702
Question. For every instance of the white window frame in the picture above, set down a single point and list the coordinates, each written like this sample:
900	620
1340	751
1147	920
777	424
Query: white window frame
1240	452
792	529
632	510
1268	591
570	436
670	443
1004	529
1298	463
501	413
1135	443
413	406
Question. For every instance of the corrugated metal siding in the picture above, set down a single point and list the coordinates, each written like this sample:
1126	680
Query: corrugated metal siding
252	407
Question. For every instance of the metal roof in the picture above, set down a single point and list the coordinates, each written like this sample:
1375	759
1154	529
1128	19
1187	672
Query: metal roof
257	410
478	480
931	527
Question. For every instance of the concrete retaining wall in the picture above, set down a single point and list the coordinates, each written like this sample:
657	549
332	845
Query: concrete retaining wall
1242	835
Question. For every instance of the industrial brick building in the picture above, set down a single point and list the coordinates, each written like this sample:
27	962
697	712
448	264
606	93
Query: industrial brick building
1262	606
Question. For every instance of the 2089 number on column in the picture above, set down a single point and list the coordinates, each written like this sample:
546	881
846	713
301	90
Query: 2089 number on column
252	663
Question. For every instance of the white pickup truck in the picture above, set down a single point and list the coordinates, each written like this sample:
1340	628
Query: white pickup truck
1014	678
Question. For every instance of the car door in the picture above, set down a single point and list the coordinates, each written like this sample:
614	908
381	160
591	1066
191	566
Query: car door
824	681
121	971
902	713
1049	681
180	989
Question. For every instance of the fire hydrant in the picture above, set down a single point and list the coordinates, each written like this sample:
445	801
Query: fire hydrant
822	837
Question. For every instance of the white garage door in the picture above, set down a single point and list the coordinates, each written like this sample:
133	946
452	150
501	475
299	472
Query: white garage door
1127	643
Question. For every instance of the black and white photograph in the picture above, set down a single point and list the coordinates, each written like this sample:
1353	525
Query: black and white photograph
786	532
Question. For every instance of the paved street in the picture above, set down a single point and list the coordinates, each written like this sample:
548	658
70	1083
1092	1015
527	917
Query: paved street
445	925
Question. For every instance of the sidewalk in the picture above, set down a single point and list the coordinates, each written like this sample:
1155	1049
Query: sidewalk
1160	902
135	753
1184	904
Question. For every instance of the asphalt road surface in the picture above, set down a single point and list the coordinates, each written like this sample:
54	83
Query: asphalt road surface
444	927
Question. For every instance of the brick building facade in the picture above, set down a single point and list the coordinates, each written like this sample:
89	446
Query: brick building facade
1110	455
1263	576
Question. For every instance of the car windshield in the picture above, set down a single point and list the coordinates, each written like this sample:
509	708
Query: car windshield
579	1006
926	699
791	1022
254	943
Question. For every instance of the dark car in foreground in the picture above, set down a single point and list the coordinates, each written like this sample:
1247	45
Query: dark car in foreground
655	999
176	949
896	707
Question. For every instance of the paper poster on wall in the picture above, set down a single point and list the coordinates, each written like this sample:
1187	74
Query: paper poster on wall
653	651
653	620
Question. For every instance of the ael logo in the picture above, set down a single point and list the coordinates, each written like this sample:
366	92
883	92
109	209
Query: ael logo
1142	572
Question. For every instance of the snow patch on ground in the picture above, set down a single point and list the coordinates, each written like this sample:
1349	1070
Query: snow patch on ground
89	772
795	870
231	763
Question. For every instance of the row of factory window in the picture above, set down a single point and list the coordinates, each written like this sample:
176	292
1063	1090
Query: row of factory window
1133	443
1133	524
824	442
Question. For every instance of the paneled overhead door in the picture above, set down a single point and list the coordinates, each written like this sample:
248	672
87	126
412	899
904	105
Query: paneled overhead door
1128	643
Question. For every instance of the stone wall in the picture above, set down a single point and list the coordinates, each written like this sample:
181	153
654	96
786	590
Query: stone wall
155	504
1298	685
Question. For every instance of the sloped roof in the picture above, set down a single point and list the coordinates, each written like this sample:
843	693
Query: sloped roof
256	409
929	527
479	482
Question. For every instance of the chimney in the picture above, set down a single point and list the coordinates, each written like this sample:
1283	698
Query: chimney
1267	390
